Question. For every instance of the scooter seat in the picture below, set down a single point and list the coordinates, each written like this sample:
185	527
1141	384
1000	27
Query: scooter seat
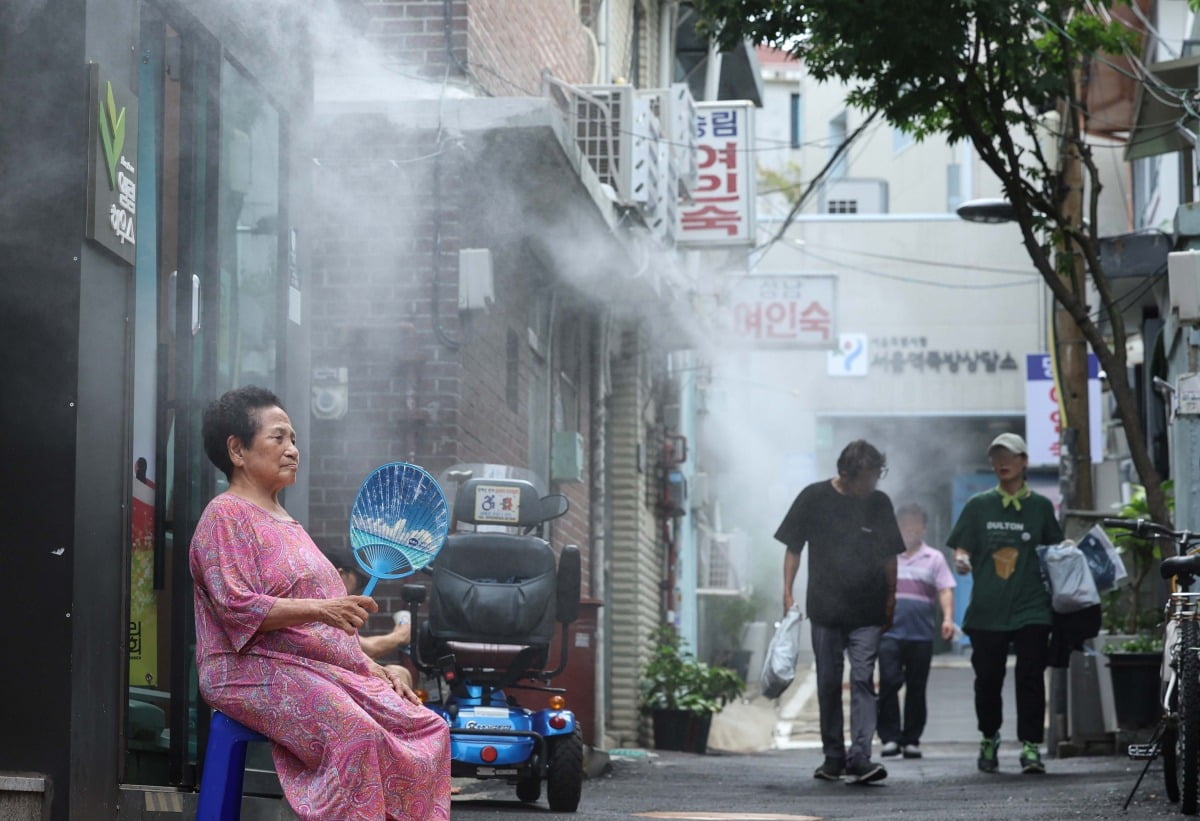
478	655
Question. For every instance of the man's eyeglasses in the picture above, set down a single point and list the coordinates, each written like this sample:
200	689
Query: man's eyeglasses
883	472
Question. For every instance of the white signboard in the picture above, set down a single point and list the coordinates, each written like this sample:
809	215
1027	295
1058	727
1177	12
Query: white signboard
497	503
1043	422
784	311
722	209
851	356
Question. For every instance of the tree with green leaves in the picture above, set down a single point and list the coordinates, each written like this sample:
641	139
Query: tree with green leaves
1010	77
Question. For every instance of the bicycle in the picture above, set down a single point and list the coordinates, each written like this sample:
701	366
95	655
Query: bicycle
1177	736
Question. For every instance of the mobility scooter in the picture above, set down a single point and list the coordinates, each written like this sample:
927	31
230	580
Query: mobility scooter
497	591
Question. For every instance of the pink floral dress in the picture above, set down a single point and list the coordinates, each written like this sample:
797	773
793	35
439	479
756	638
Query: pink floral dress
346	747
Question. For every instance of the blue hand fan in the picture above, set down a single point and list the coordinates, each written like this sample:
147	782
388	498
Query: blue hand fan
398	523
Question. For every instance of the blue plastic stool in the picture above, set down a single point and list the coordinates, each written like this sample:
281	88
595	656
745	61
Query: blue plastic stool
224	769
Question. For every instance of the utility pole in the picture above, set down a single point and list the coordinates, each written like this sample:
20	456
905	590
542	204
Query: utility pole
1071	350
1071	360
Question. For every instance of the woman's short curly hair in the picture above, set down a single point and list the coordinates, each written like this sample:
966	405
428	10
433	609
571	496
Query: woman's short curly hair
860	457
235	413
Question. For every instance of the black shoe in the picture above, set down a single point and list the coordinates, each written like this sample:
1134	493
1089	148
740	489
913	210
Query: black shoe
912	751
865	772
890	749
831	770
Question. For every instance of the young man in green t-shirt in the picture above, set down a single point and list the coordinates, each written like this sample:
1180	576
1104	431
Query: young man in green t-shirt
996	539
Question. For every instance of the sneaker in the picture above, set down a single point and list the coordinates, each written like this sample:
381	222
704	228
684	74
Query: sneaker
890	749
1031	758
912	751
989	752
865	772
831	770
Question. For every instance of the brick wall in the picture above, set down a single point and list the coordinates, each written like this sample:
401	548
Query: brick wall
510	42
370	311
418	33
412	396
501	46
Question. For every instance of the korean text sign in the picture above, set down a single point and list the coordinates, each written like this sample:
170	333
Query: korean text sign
785	311
112	171
1043	421
722	209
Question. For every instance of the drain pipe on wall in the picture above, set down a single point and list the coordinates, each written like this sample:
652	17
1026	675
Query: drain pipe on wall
603	39
601	512
712	71
668	15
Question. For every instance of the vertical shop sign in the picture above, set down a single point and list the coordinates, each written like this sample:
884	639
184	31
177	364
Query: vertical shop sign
722	209
1043	420
112	169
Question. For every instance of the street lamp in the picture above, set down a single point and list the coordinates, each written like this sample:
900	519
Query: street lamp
987	210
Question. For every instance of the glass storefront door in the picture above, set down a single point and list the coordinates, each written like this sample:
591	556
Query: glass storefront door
209	316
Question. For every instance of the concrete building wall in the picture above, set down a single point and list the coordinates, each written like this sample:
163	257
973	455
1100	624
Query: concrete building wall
957	293
922	177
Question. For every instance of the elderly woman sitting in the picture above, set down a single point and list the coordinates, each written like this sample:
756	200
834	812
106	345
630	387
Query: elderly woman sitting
277	646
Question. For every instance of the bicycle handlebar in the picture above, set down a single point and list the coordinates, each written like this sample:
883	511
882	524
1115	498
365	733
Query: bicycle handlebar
1144	528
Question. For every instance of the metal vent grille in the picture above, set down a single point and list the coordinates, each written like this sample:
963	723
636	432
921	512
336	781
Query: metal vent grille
601	116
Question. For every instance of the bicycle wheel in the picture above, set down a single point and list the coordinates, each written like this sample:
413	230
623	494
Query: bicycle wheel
1188	758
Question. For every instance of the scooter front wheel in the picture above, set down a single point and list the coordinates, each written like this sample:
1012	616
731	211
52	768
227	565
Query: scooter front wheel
564	771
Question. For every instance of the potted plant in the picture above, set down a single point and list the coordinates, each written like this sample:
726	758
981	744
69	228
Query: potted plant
1134	662
680	693
1134	665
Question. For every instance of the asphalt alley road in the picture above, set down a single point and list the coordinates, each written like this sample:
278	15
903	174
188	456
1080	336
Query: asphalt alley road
778	785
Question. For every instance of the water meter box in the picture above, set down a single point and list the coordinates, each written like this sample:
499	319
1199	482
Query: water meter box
566	456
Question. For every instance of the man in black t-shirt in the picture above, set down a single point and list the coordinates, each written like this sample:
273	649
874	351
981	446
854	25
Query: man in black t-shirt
853	539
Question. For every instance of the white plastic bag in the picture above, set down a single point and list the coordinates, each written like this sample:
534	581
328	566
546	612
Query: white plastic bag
1072	587
779	667
1108	570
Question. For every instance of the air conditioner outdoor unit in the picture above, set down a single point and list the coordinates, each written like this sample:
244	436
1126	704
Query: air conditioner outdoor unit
646	174
677	113
662	215
618	134
678	165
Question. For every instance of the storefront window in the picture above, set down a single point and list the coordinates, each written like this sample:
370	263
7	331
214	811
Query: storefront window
208	311
249	234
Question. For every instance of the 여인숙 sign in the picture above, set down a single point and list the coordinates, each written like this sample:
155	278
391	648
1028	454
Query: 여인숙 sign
722	209
784	311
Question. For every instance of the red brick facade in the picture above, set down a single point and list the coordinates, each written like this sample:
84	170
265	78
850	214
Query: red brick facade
510	42
462	392
500	46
